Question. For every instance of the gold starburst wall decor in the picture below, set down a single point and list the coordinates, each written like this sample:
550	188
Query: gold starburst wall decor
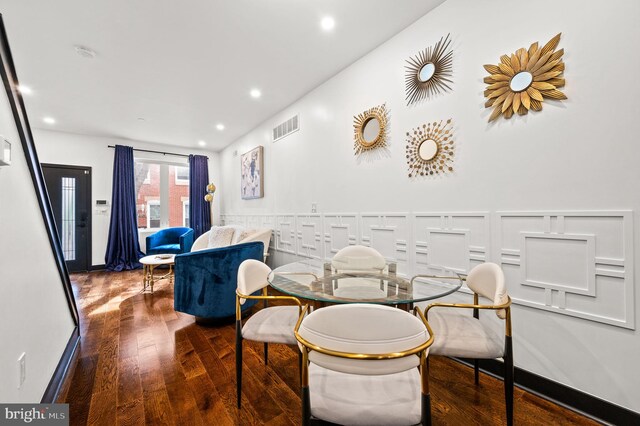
522	81
430	149
429	71
370	129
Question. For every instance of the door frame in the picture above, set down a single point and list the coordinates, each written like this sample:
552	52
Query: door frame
90	215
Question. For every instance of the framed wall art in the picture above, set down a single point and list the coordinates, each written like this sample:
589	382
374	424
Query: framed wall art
430	149
524	80
429	72
370	129
252	174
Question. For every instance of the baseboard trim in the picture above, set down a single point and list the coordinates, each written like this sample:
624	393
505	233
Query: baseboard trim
97	267
573	399
60	374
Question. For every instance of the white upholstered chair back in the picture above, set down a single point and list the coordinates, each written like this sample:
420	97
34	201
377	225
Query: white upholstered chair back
252	276
263	235
363	329
358	258
488	281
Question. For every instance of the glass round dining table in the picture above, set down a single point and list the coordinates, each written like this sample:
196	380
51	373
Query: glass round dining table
317	281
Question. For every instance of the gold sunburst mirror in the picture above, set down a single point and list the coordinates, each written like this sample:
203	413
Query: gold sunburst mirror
522	81
430	149
370	129
428	72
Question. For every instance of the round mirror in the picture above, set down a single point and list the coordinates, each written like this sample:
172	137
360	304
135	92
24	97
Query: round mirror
370	130
428	149
521	81
426	72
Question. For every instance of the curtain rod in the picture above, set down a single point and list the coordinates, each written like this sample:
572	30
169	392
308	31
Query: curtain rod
156	152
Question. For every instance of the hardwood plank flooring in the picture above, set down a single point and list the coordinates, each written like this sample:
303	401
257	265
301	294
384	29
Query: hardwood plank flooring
142	363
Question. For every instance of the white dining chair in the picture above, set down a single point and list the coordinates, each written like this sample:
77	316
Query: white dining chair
365	364
460	333
271	324
358	258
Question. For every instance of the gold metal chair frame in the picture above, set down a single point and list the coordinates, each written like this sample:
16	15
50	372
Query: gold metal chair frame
265	296
420	351
508	344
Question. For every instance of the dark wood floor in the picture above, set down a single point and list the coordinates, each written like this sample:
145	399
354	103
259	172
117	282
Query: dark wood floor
140	362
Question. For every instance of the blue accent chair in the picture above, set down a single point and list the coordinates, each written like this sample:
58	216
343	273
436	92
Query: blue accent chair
171	241
205	281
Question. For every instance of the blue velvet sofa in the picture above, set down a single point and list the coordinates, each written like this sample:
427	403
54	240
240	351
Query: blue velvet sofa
171	241
205	281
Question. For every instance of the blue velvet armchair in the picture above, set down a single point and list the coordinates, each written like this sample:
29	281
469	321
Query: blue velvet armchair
206	280
171	241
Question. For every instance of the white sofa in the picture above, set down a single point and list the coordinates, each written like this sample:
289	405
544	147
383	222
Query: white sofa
224	236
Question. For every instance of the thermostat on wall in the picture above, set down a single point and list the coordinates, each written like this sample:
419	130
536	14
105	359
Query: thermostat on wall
102	206
5	153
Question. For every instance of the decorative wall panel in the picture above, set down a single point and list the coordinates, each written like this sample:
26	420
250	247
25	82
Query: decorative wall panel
233	219
286	233
389	233
457	241
309	236
572	263
340	230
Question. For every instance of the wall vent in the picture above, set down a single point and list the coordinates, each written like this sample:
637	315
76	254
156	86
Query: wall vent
285	129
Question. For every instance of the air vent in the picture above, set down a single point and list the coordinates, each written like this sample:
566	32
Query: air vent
286	128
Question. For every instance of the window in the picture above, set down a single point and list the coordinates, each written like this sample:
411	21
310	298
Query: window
161	191
185	213
153	214
182	175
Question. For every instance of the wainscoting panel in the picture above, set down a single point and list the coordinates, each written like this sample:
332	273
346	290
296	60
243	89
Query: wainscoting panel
309	236
572	263
457	241
340	230
233	219
286	233
390	234
254	221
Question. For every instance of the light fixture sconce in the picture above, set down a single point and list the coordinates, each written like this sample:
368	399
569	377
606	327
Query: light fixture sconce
211	189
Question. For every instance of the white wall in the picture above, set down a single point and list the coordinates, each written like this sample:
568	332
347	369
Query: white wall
91	151
573	167
34	317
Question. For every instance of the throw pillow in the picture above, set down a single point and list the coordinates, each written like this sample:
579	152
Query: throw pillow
246	234
220	236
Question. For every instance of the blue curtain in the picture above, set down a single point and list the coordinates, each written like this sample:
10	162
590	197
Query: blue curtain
199	209
123	247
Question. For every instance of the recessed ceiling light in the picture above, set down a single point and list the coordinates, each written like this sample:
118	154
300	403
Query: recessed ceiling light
220	126
255	93
85	52
327	23
202	143
49	120
25	90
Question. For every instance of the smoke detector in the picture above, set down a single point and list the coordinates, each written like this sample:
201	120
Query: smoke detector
85	52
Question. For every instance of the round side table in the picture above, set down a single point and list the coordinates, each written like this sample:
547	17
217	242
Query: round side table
149	263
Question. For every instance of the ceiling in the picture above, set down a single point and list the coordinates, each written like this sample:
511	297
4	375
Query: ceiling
169	74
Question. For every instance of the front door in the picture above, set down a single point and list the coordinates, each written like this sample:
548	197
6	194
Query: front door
69	189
